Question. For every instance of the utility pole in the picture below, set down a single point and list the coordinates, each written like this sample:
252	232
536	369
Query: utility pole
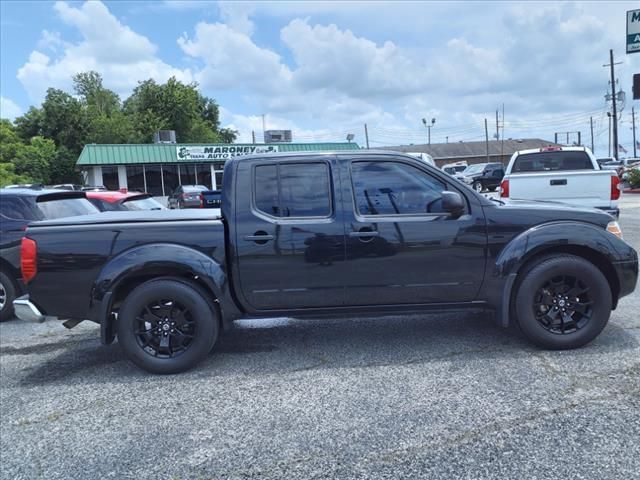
614	103
486	134
264	129
609	117
502	145
366	135
253	136
633	122
497	126
591	123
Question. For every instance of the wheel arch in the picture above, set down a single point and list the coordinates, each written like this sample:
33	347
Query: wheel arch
582	240
140	264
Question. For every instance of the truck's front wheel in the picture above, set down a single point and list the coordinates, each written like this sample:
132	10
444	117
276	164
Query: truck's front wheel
563	301
166	326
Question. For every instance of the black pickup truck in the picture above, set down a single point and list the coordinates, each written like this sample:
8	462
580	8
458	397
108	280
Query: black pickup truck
331	234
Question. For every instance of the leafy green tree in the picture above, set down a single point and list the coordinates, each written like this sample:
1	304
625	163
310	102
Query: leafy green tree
34	159
64	119
10	142
8	175
31	124
99	100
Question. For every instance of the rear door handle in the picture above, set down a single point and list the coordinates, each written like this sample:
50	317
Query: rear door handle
562	181
364	234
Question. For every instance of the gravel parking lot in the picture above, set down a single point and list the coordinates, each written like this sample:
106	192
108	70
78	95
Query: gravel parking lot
438	396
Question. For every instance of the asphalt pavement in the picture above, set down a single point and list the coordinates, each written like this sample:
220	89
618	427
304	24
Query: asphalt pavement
429	396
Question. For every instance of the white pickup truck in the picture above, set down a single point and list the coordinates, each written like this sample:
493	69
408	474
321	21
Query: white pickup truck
561	174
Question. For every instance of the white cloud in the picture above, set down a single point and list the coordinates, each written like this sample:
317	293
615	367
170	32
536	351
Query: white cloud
121	55
9	109
328	57
233	60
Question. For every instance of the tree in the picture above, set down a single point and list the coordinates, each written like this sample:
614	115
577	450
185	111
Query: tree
30	124
174	106
99	100
34	159
8	175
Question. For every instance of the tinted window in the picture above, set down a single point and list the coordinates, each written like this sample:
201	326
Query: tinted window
552	161
67	207
194	188
391	188
110	177
266	189
293	189
19	208
135	178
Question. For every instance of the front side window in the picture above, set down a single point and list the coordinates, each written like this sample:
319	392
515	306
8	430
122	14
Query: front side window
393	188
293	189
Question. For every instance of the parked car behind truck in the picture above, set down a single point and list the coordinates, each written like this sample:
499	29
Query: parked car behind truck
326	234
569	175
18	208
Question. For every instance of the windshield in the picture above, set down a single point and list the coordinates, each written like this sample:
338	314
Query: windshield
474	169
65	207
552	161
146	203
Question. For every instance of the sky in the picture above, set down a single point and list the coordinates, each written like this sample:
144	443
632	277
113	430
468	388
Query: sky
324	69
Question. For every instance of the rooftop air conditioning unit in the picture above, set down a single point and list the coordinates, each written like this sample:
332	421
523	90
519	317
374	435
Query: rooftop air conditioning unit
277	136
164	136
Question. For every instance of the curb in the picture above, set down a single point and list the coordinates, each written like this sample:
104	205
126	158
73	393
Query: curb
631	190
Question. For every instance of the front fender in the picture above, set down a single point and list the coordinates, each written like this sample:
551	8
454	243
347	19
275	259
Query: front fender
551	235
161	259
538	239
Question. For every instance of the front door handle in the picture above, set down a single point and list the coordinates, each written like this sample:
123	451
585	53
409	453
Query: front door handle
562	181
260	237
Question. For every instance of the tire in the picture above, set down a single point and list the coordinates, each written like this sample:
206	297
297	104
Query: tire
562	282
7	296
179	325
477	186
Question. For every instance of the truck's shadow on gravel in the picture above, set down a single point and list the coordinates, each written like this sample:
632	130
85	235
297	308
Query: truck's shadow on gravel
285	346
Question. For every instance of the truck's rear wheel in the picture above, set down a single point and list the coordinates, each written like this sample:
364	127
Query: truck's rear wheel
166	326
562	302
477	186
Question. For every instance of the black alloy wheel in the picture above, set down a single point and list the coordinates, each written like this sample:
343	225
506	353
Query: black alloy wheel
562	305
164	328
167	325
477	186
562	301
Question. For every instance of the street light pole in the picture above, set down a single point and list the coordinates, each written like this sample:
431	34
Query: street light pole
424	122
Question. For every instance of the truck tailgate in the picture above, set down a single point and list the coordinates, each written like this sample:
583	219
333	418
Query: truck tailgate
589	188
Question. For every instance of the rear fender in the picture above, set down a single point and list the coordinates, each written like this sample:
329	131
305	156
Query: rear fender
159	259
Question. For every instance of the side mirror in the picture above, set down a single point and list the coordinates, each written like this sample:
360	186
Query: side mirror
453	203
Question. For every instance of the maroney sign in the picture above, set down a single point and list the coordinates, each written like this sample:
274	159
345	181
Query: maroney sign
220	152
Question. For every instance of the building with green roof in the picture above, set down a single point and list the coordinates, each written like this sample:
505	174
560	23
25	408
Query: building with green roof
159	168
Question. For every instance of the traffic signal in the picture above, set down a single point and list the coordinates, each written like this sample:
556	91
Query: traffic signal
636	86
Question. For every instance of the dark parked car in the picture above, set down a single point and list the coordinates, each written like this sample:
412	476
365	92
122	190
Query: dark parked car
19	207
308	235
112	201
483	176
186	196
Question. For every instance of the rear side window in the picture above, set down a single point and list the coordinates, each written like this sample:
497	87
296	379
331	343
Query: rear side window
552	161
19	208
293	189
66	207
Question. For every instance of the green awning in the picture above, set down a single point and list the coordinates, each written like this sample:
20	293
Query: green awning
130	154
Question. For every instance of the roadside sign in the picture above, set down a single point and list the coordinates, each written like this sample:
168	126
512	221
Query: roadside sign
633	31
